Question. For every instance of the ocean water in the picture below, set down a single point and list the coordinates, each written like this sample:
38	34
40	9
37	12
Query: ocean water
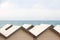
2	23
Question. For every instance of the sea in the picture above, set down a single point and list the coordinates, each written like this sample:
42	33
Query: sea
2	23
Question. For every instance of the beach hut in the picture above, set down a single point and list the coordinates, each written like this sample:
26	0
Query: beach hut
29	32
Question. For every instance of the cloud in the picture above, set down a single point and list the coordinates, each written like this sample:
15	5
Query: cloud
6	5
29	14
37	12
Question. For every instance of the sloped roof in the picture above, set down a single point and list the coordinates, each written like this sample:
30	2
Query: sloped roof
36	30
9	29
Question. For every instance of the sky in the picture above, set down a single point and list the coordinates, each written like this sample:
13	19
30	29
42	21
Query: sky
29	9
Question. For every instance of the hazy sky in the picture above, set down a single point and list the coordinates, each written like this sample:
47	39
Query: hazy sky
29	9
